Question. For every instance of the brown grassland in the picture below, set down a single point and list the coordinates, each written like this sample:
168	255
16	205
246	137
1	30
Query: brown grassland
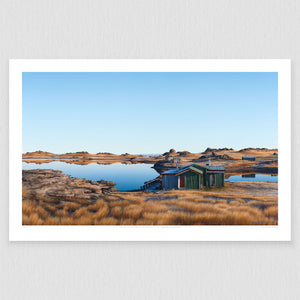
234	204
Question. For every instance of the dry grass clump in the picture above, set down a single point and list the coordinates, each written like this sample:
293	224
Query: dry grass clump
229	218
117	212
132	212
101	213
232	205
154	206
71	206
80	212
28	206
34	218
163	218
271	211
52	209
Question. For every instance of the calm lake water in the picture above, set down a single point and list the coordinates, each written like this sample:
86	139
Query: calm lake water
253	178
126	177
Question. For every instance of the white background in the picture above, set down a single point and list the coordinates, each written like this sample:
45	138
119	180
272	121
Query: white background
281	232
148	29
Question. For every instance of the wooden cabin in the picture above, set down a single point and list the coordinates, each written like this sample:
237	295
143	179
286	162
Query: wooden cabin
193	177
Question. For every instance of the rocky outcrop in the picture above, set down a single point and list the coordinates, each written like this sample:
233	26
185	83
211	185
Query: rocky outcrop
57	185
170	152
38	154
216	156
255	149
217	149
184	153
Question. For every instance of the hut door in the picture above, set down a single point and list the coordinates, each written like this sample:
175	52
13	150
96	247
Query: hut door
181	181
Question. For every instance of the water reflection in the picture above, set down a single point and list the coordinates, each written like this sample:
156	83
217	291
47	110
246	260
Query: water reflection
254	178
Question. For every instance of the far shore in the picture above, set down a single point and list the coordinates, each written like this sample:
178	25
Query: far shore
266	160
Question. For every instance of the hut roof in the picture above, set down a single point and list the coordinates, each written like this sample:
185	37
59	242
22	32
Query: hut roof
190	168
170	172
216	168
193	168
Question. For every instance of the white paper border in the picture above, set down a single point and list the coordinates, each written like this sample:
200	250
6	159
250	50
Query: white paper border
17	232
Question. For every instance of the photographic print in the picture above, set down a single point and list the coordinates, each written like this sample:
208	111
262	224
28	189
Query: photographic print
150	149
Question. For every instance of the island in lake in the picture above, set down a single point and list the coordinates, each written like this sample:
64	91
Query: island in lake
215	187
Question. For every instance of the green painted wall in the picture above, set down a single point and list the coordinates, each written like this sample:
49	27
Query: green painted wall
200	180
192	181
219	179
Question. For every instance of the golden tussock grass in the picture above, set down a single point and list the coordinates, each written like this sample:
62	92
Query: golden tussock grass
52	221
80	212
132	198
52	209
271	211
33	219
71	206
132	212
155	207
62	213
28	206
42	213
114	204
112	198
117	212
231	205
101	213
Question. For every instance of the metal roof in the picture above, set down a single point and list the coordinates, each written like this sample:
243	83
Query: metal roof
216	168
211	168
193	167
169	172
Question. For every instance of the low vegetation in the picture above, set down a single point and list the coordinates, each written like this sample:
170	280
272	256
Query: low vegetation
235	204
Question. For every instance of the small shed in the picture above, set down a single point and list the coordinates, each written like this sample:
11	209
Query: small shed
169	180
193	177
252	158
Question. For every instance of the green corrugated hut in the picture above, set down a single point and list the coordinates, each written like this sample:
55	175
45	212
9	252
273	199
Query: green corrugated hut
194	177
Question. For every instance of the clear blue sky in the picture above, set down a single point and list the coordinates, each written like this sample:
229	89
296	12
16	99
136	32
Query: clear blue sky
148	112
